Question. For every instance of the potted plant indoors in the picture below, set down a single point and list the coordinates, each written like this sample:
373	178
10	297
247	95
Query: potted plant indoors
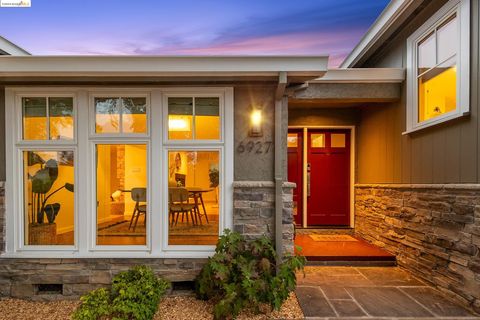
43	232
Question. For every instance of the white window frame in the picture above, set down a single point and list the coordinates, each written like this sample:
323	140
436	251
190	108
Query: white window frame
93	224
14	133
225	162
85	181
44	94
193	94
462	10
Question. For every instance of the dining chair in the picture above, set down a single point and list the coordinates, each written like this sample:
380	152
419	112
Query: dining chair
139	195
178	203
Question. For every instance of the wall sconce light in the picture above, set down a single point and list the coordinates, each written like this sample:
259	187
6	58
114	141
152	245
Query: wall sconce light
256	123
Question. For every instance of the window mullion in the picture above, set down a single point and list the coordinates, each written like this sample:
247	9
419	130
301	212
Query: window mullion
47	117
120	111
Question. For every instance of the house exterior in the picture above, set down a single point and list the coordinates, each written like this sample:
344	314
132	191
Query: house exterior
98	153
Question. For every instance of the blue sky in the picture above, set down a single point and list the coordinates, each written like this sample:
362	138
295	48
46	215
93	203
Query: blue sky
188	27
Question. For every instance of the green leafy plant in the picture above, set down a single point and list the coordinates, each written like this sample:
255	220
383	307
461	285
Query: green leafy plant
243	275
42	182
95	305
135	294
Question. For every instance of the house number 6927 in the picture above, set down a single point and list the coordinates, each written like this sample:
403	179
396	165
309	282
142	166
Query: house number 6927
257	147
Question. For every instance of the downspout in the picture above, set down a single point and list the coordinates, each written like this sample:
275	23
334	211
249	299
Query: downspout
281	111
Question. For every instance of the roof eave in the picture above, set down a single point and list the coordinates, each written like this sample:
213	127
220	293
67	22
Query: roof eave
11	48
385	21
301	67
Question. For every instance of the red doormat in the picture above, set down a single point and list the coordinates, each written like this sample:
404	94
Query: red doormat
332	237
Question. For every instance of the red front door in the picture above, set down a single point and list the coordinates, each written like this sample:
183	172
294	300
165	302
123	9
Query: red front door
328	177
295	171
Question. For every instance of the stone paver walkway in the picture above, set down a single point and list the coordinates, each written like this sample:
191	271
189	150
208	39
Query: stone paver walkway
372	293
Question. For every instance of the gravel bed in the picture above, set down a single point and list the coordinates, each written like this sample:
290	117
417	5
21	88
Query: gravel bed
184	307
15	309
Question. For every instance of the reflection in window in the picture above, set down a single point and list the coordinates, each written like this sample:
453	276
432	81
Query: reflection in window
121	194
49	197
318	140
207	119
193	197
58	111
180	116
121	115
292	140
201	113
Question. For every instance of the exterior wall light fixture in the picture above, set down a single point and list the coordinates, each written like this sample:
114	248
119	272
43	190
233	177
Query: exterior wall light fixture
256	123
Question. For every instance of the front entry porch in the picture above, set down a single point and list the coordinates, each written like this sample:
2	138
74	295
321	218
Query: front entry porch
323	248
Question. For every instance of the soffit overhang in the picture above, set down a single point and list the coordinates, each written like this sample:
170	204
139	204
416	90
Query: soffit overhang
157	69
342	88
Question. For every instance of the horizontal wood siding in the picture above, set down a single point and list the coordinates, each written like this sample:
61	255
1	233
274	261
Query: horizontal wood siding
446	153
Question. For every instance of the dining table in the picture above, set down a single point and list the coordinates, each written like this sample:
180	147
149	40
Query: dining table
197	193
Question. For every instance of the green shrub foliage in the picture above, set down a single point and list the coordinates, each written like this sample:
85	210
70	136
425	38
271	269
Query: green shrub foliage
95	305
135	294
242	275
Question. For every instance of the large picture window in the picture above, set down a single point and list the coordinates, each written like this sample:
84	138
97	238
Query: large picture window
438	59
49	205
193	197
118	173
121	189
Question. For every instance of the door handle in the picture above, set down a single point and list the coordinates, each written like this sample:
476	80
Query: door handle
308	179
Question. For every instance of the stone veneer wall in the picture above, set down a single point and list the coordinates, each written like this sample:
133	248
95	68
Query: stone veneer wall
254	210
434	230
19	277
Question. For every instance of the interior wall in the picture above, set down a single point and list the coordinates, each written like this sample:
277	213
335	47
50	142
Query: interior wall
446	153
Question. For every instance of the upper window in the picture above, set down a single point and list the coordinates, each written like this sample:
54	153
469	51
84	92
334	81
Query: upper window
438	61
47	118
120	115
193	118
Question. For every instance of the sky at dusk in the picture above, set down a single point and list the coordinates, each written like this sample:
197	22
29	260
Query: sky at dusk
189	27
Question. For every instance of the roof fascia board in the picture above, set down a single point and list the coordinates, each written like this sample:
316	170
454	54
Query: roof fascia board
384	22
362	75
11	48
162	66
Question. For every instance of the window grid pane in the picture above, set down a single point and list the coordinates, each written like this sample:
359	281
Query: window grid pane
60	116
121	189
49	204
193	197
34	118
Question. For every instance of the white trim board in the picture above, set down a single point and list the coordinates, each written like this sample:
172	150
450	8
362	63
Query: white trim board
362	75
71	66
387	20
11	48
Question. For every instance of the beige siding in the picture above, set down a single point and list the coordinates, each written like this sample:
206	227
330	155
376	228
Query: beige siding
447	153
2	134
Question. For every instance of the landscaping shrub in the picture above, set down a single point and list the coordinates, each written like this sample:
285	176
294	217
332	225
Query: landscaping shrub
135	294
95	305
242	275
